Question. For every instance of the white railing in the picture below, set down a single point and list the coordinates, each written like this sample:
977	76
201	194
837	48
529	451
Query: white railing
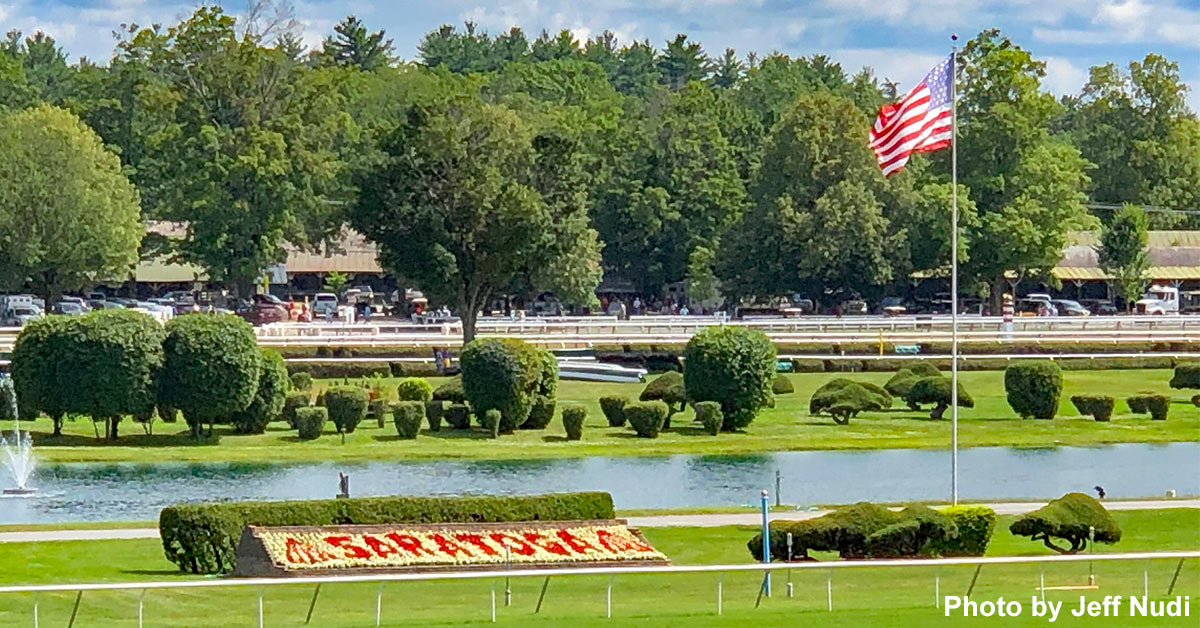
829	566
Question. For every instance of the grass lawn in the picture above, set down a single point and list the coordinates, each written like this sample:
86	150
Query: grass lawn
871	596
787	426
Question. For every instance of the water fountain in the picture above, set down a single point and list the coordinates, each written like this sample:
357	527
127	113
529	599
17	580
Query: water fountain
17	447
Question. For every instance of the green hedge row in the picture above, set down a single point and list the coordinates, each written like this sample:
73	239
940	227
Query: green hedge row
203	538
331	370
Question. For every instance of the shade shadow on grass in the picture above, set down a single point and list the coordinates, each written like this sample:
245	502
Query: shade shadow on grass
136	439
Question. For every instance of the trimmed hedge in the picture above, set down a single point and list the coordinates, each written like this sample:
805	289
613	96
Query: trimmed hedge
646	417
1187	375
1156	405
936	390
211	367
1033	388
902	382
407	416
862	530
310	422
434	410
458	416
293	401
414	389
540	415
667	388
782	385
613	408
451	391
504	374
709	415
202	538
301	380
273	388
844	399
974	524
734	366
493	420
8	399
572	418
347	406
1099	407
1070	518
1196	400
356	370
42	345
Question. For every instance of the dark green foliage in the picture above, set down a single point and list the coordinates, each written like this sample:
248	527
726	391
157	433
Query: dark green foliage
434	411
734	366
667	388
861	530
1068	518
166	413
709	415
451	391
273	388
1196	400
1033	388
646	417
310	422
492	421
414	389
917	531
41	347
782	385
338	370
505	374
202	538
902	382
458	416
572	418
1187	375
1099	407
1156	405
347	406
211	367
844	399
302	381
936	390
975	525
540	415
294	400
407	415
614	410
8	399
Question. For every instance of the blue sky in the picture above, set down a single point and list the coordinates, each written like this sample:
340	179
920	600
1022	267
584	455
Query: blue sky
900	39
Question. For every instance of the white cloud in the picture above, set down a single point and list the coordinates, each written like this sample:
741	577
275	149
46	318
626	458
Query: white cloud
1062	76
905	67
1131	21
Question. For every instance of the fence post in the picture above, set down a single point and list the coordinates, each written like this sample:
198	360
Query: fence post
608	600
1146	579
312	603
720	591
542	596
1171	588
260	608
378	604
35	612
75	610
1042	581
493	603
937	589
141	597
829	590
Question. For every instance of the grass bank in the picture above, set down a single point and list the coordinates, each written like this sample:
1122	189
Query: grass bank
787	426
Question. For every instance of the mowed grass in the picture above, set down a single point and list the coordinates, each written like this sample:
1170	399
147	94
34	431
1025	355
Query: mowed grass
869	596
787	426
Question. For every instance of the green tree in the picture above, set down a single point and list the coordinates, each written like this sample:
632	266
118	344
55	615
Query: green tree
561	46
68	216
353	45
1123	251
682	62
728	70
459	205
637	70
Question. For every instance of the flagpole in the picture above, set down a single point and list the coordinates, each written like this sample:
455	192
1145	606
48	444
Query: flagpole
954	271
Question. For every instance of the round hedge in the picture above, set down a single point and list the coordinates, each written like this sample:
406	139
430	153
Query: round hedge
211	367
310	422
502	374
1187	375
407	416
273	388
1099	407
414	389
1033	388
450	392
733	366
42	346
347	406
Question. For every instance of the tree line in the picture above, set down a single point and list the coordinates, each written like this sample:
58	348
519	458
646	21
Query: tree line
503	164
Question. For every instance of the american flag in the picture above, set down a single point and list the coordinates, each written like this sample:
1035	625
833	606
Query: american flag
921	122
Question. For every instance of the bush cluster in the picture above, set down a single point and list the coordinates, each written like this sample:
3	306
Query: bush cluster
936	390
1187	375
782	385
1033	388
508	375
844	399
301	380
458	416
451	391
646	417
211	367
613	408
310	422
709	415
573	416
347	407
267	405
202	538
1154	404
1070	518
733	366
667	388
408	415
293	401
902	382
1099	407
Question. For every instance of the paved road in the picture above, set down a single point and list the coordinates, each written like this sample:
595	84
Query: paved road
656	521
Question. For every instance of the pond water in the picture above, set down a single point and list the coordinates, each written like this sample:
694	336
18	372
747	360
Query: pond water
92	492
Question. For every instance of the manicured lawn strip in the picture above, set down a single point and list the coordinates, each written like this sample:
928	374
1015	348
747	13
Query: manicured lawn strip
785	427
870	596
77	525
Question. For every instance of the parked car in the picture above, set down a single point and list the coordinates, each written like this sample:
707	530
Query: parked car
66	298
854	307
892	306
1067	307
1033	307
265	309
1099	307
1158	300
324	304
68	308
19	314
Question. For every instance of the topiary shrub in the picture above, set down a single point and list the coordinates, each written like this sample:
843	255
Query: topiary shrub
734	366
1187	375
492	420
540	415
433	414
42	346
613	408
8	399
646	417
310	422
782	385
450	392
347	406
902	382
974	524
936	390
572	418
414	389
1069	518
860	530
302	380
709	415
273	388
1196	400
1099	407
844	399
458	416
504	374
667	388
211	367
407	416
294	400
918	530
1033	388
1156	405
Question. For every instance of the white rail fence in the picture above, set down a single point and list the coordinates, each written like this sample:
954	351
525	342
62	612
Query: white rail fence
262	584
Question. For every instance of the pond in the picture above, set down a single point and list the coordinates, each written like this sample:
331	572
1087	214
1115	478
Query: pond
93	492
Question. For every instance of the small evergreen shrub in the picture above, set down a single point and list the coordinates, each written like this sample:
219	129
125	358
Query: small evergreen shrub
1033	388
709	415
492	419
540	415
1154	404
975	526
1187	375
414	389
451	391
646	417
267	406
667	388
936	390
301	380
613	408
310	422
294	400
1071	518
433	414
782	385
1196	400
347	406
378	409
407	416
458	416
1099	407
572	418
